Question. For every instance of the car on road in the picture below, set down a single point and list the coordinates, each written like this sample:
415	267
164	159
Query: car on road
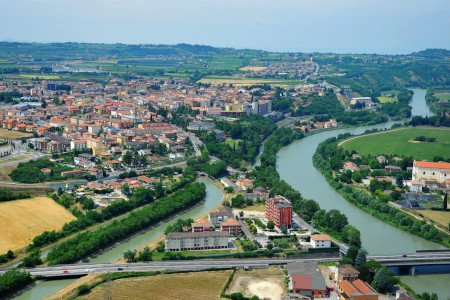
120	269
65	271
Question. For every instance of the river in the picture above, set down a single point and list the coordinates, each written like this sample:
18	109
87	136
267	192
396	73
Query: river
295	166
213	197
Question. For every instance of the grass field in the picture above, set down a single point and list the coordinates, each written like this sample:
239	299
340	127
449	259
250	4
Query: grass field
440	217
442	95
9	134
186	286
21	220
400	142
384	99
5	170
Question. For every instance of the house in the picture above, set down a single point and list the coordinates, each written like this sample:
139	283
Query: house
227	183
180	241
382	159
320	241
306	286
348	165
202	225
345	272
306	279
433	171
232	226
279	210
390	168
356	290
244	184
222	214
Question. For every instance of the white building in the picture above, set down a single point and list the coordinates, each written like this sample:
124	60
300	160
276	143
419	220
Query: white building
431	171
180	241
79	144
320	241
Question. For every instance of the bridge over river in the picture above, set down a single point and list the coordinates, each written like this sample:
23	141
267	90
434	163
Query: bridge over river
401	261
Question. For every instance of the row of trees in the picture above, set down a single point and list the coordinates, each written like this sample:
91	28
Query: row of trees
12	281
8	195
90	242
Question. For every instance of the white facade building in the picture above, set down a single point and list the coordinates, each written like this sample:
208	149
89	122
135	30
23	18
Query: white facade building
180	241
320	241
431	171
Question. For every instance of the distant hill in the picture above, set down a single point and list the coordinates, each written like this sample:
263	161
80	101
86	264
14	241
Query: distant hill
433	53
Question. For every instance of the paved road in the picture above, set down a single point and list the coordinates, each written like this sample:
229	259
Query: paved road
196	265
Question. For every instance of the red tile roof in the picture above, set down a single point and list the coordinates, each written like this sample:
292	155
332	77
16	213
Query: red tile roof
432	165
301	282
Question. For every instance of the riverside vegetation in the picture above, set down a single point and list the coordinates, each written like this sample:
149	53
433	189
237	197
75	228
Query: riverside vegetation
329	158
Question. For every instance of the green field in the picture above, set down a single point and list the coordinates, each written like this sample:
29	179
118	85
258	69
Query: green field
384	99
442	95
399	142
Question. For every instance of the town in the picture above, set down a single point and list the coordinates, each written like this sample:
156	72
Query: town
169	172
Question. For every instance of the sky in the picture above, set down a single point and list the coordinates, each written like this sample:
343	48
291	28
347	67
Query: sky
339	26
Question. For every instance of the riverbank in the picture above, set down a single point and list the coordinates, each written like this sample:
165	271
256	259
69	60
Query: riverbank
367	202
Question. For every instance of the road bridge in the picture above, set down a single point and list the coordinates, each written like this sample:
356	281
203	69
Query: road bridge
408	261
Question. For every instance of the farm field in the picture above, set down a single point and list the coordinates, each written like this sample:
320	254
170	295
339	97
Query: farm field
400	142
443	95
264	283
189	286
9	134
384	99
243	81
440	217
21	220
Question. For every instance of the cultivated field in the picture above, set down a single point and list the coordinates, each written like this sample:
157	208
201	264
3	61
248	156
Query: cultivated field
400	142
253	68
21	220
264	283
186	286
440	217
242	81
384	99
9	134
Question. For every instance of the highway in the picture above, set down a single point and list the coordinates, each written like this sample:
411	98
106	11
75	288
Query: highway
426	258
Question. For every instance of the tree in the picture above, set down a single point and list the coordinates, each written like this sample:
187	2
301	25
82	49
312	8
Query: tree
445	204
383	281
33	259
130	256
284	229
361	259
127	158
270	225
399	181
269	246
351	235
145	255
350	256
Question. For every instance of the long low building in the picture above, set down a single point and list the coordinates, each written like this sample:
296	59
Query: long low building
180	241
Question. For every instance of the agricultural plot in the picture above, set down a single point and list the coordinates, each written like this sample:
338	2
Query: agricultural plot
186	286
22	220
400	142
9	134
